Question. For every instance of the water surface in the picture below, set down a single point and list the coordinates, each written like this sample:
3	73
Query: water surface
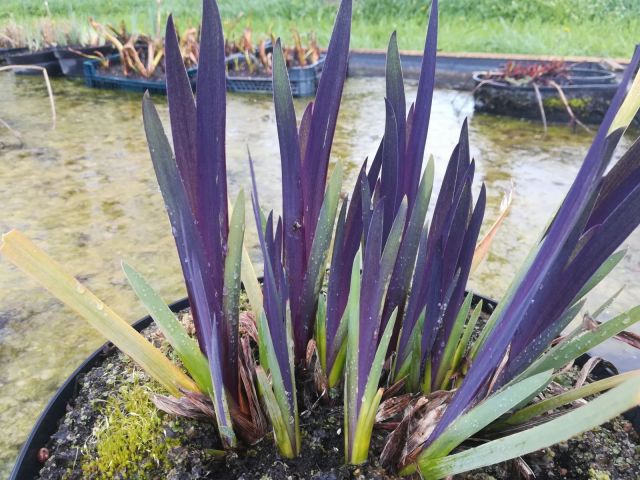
86	193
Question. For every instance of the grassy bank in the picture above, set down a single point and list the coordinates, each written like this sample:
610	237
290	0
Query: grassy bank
562	27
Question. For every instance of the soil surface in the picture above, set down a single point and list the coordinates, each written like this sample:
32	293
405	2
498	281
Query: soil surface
189	449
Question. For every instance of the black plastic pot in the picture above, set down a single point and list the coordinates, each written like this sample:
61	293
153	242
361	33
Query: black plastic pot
7	52
588	96
43	58
71	62
27	465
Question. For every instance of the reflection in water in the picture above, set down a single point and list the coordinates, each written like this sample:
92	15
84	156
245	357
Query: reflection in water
86	193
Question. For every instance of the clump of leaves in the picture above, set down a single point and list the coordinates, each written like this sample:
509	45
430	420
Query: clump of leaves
141	54
396	319
12	35
258	58
541	73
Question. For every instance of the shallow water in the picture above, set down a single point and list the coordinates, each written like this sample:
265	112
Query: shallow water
85	192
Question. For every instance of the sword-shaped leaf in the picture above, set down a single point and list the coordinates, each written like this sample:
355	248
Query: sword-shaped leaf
25	255
596	412
185	346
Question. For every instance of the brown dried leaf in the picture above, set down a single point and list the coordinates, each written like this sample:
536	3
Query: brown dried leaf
498	371
394	406
586	370
190	405
252	423
523	469
421	417
247	325
422	424
394	389
629	338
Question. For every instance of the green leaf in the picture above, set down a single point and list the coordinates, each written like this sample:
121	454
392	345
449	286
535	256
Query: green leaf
25	255
607	303
321	331
466	337
249	277
278	421
629	107
371	398
563	353
322	238
185	346
596	412
352	311
446	362
532	411
289	446
484	413
232	264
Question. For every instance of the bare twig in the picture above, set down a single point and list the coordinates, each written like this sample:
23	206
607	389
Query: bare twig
13	132
566	104
540	105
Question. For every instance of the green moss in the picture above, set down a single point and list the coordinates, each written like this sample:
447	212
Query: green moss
598	475
576	104
130	440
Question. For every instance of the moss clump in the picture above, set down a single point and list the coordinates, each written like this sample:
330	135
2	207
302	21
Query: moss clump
577	104
130	440
598	475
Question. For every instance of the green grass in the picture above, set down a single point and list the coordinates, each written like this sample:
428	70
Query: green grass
558	27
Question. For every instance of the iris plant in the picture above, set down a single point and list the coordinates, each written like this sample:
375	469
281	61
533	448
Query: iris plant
392	317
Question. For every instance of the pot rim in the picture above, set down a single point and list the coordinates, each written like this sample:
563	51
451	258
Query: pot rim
478	78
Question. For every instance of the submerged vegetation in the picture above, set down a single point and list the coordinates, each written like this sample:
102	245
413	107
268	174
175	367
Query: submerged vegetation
391	322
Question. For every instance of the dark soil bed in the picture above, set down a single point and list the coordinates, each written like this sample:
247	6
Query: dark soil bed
101	437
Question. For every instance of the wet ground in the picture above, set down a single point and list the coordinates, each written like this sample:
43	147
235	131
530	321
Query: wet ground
85	192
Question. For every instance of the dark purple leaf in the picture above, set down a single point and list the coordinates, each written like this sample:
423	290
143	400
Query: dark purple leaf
422	112
182	112
323	119
540	282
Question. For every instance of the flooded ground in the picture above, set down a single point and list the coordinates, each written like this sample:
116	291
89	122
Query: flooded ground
86	193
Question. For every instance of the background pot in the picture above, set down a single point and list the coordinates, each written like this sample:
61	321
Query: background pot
588	99
43	58
71	63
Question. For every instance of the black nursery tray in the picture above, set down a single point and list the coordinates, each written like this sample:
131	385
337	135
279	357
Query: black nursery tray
72	63
43	58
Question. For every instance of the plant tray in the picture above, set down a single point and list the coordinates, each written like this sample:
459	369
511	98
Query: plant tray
589	98
42	58
7	52
304	81
72	63
93	78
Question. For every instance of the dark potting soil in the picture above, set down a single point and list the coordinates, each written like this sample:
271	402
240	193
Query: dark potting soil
87	445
